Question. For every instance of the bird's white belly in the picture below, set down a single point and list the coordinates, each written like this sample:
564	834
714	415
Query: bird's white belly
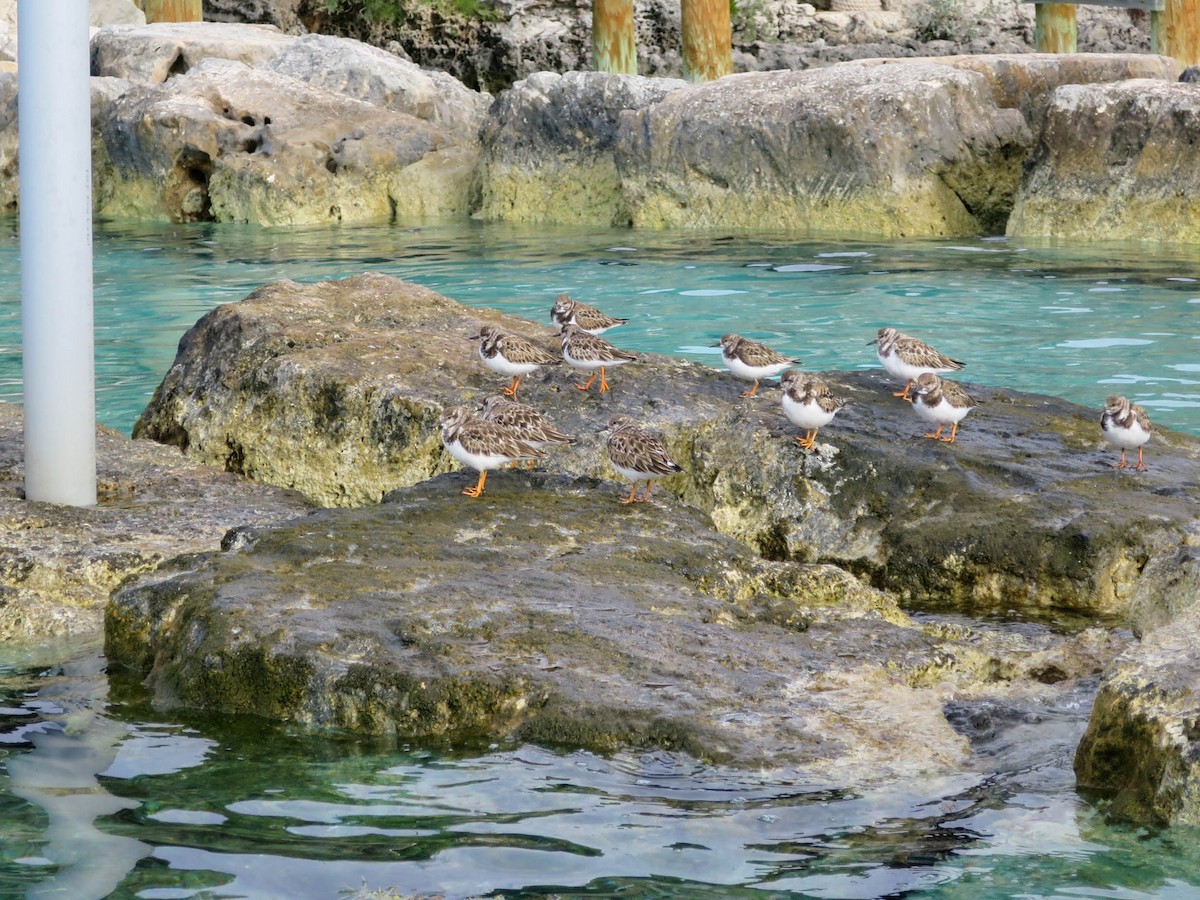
477	461
499	364
634	474
1126	438
806	415
898	368
752	373
943	414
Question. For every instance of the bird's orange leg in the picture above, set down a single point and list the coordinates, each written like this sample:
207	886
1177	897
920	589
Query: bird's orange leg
953	432
1141	466
603	382
752	392
904	393
1122	464
478	489
584	387
646	492
511	390
809	440
630	499
936	434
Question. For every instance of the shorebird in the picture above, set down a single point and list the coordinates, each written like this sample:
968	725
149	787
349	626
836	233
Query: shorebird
638	454
481	445
906	357
523	422
589	353
569	311
943	402
752	361
510	355
808	403
1125	425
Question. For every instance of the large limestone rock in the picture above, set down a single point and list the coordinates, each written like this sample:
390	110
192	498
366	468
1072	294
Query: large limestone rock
226	142
334	389
154	53
59	564
436	616
1141	750
1114	162
895	151
549	147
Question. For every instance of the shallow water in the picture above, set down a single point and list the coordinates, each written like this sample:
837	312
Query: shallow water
1075	322
100	795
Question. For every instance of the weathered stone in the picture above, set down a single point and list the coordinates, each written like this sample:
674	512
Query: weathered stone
334	389
1114	162
58	564
1142	746
283	14
385	80
230	143
154	53
549	147
433	615
10	185
903	150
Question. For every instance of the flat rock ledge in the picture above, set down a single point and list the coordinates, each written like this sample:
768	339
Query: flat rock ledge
334	389
547	612
59	564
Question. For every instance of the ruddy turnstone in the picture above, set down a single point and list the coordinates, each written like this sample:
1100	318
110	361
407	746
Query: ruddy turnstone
1125	425
752	361
638	454
906	357
589	353
523	422
481	445
808	404
943	402
568	311
510	355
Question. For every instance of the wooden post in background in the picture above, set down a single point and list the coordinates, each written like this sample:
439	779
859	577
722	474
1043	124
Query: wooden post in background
172	10
1176	31
707	39
1056	28
614	37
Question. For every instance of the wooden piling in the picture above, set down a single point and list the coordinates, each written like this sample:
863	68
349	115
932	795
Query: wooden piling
172	10
614	37
1055	28
707	39
1175	31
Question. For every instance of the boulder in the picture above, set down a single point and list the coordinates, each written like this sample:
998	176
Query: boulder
433	616
892	151
154	53
226	142
385	80
1141	750
1114	162
549	147
283	14
334	389
58	564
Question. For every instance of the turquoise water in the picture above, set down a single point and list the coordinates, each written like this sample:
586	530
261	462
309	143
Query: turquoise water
1075	322
100	795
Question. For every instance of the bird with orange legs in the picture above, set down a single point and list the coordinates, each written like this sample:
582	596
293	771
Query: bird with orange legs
510	355
588	353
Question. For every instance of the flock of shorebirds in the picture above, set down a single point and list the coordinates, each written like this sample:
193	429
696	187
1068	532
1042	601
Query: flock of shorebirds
508	432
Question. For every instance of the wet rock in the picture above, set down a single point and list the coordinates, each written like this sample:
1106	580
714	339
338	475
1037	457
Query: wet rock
334	389
230	143
59	564
1114	162
918	150
1142	744
549	147
547	612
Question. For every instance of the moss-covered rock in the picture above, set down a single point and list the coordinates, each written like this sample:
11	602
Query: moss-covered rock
334	389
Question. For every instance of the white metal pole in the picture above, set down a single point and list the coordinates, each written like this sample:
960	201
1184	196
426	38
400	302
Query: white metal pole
54	119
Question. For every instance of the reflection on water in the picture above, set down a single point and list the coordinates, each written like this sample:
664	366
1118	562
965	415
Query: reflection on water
100	796
1078	322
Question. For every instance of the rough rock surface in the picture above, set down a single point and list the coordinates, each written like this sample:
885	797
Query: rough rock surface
1142	746
433	615
230	143
898	151
1114	162
334	389
59	564
154	53
549	147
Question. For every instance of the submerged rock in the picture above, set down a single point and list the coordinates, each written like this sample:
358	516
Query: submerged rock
547	612
334	389
58	564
